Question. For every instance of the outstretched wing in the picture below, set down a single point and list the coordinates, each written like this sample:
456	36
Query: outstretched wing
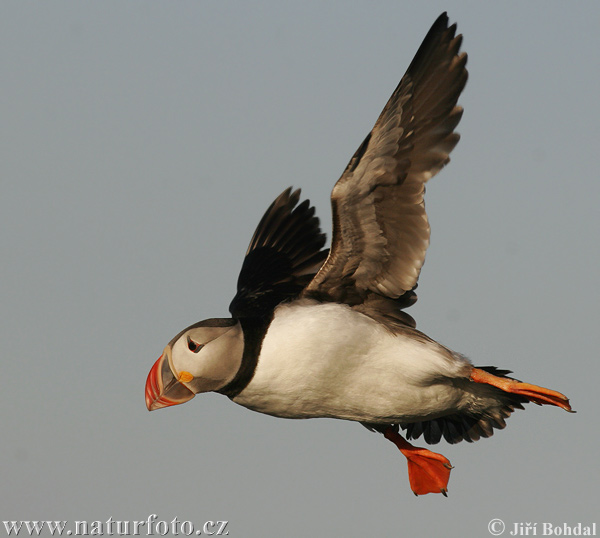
283	256
380	228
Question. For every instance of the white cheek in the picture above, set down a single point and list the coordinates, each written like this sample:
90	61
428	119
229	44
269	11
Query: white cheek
185	360
222	357
217	361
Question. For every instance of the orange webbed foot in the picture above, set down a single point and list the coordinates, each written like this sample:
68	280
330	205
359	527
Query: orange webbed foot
428	472
533	393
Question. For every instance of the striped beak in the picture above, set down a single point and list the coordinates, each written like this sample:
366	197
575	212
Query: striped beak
162	387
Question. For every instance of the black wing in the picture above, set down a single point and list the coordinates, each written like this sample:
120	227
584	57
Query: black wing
284	254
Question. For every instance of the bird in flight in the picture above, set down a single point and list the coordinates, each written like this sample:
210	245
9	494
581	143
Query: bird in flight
321	332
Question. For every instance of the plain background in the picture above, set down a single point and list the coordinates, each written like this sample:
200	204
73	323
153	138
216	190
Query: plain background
141	142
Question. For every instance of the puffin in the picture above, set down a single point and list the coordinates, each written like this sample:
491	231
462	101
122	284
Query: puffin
318	332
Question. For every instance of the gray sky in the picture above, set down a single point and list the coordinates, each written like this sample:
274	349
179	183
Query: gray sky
141	143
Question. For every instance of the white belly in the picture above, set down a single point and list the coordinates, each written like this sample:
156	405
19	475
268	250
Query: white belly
327	360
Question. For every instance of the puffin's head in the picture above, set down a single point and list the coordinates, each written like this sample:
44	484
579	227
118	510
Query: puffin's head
201	358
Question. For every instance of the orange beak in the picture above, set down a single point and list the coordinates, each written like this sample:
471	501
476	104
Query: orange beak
162	387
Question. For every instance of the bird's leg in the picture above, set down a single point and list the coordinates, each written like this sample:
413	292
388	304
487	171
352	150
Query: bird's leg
533	393
428	472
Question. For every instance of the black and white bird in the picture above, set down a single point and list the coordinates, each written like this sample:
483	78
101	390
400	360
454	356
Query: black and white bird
324	333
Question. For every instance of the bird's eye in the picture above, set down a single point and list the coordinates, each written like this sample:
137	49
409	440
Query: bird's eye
193	346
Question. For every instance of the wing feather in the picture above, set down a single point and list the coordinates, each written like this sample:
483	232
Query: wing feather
284	254
380	227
